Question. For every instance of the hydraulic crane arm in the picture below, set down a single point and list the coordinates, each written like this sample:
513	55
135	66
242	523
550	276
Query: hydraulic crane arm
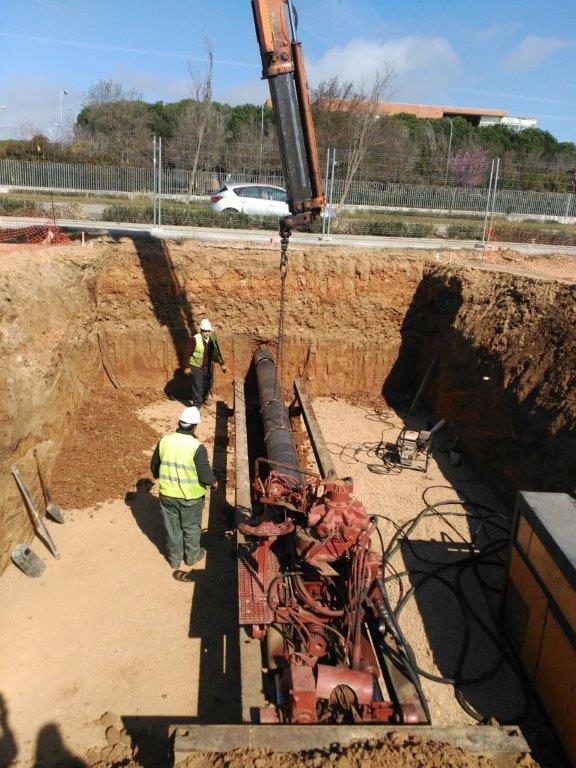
283	67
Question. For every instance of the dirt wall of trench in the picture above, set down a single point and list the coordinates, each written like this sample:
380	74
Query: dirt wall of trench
119	313
502	352
343	311
50	363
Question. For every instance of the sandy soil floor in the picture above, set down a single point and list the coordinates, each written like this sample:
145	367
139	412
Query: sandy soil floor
109	646
107	627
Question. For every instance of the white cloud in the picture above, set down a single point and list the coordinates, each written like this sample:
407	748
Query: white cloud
422	67
532	51
485	34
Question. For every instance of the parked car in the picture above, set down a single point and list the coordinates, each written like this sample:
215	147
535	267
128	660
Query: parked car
252	199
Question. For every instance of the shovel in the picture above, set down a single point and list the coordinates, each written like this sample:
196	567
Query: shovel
52	509
41	529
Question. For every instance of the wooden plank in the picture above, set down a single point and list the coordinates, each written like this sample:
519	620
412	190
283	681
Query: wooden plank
250	655
321	452
243	494
501	741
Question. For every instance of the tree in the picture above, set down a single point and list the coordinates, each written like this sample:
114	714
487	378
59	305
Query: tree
114	122
163	118
468	167
348	117
201	128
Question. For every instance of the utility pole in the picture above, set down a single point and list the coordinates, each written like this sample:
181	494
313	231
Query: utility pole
448	154
62	93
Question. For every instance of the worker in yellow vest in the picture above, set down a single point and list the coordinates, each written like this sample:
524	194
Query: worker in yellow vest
180	463
202	351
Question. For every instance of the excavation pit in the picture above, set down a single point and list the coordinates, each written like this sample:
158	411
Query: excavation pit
92	337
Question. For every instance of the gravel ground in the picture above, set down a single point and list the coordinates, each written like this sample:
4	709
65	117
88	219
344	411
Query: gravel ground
434	621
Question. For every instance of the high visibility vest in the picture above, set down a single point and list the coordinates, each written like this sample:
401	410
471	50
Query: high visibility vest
198	354
178	477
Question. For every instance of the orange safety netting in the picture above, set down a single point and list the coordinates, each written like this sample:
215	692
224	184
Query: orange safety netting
38	234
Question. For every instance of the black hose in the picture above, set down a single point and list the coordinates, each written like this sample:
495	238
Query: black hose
488	555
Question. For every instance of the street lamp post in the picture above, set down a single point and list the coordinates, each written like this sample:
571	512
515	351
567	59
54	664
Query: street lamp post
449	150
62	93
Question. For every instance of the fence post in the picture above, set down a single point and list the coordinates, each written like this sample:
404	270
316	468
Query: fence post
488	196
154	180
326	184
331	190
159	181
489	233
494	191
568	205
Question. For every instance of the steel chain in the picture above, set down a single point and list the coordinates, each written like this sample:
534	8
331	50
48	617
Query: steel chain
278	396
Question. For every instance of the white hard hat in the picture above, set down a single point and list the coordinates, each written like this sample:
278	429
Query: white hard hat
190	416
205	325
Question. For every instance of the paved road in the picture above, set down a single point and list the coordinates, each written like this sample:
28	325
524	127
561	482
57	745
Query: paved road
351	241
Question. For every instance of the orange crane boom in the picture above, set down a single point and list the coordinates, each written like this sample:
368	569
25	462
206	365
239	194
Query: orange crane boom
283	67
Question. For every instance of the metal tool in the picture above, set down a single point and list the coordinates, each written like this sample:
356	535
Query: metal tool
52	509
41	529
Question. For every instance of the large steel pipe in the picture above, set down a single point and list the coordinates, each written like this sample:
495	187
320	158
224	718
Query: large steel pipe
278	436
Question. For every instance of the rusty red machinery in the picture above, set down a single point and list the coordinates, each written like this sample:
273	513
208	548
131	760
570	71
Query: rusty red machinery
310	584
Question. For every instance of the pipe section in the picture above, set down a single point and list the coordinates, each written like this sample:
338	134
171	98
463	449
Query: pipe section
278	436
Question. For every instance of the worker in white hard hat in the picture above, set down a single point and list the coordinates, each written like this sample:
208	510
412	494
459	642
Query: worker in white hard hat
180	463
202	351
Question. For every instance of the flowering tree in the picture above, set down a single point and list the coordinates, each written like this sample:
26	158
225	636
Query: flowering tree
468	166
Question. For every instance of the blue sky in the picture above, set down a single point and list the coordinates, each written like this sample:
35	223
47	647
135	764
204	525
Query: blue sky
516	56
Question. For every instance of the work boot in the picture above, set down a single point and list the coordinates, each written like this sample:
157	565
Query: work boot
201	555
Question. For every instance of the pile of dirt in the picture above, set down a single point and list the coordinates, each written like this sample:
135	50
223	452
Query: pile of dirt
395	751
109	451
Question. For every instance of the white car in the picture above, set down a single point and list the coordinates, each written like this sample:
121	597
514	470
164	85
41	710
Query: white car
252	199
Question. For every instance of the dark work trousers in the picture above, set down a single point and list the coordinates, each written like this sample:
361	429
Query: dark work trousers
200	383
182	520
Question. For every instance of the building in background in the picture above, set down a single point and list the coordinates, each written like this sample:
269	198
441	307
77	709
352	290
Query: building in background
475	115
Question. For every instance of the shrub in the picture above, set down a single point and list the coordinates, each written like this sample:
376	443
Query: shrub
11	207
185	216
464	231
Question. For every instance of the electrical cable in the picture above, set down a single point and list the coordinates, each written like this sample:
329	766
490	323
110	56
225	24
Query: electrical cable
484	521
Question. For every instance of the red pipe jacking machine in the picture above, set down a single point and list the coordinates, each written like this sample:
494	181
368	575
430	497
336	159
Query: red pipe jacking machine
310	585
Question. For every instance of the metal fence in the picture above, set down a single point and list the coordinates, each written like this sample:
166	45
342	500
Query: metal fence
86	179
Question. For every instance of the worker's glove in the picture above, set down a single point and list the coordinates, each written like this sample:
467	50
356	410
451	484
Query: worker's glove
186	370
223	367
